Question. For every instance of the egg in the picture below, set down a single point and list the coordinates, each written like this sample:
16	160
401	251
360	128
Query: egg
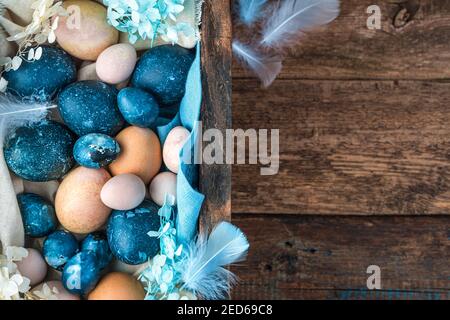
118	286
163	184
40	152
96	150
127	233
42	78
123	192
116	63
81	273
78	205
90	107
98	244
163	71
88	72
93	34
33	267
58	248
140	155
139	108
56	289
175	141
38	215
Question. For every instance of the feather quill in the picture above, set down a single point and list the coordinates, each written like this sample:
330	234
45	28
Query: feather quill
250	10
266	68
293	18
203	271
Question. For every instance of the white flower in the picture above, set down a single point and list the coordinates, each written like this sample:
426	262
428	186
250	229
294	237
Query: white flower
46	293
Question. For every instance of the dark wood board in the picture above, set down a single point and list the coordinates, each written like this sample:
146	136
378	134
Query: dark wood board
301	257
417	48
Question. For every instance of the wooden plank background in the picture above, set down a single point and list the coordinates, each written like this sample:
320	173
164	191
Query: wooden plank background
364	119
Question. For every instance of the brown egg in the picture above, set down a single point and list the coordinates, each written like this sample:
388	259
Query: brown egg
93	34
118	286
140	154
78	205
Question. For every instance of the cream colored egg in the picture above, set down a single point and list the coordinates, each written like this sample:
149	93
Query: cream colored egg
123	192
78	205
163	184
53	289
140	154
174	143
88	72
116	63
118	286
33	267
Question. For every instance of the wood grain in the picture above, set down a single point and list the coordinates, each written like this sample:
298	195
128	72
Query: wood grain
300	257
216	108
347	49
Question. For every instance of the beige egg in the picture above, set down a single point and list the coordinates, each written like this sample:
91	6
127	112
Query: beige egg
57	289
88	72
163	184
175	141
78	205
140	154
123	192
116	63
85	38
118	286
33	267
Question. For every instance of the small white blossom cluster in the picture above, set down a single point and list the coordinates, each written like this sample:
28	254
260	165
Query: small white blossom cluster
13	286
46	293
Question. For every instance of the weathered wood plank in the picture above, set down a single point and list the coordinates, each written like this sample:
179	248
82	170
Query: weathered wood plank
348	147
347	49
305	257
215	181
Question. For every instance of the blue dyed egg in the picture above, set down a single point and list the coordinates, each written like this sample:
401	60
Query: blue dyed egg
127	233
81	273
40	152
163	71
58	248
90	107
98	244
38	215
43	78
139	108
96	150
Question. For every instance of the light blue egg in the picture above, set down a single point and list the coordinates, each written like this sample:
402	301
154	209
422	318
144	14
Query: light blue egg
96	150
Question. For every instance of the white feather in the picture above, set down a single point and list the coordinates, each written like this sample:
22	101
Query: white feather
292	18
250	10
266	68
203	271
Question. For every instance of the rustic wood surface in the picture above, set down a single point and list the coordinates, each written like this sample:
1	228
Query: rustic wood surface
365	159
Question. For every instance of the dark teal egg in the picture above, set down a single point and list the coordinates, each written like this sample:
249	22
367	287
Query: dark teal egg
45	77
90	107
81	273
127	233
38	215
98	244
96	150
163	71
40	152
139	108
58	248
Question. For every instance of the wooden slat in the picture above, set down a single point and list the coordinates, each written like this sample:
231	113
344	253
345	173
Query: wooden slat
215	181
347	49
301	257
348	147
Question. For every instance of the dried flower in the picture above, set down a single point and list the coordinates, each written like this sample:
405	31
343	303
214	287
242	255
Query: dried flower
46	293
13	286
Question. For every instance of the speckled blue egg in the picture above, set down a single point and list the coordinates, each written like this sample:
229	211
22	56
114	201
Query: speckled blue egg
98	244
138	107
90	107
163	71
127	233
38	215
40	152
43	78
58	248
96	150
81	273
